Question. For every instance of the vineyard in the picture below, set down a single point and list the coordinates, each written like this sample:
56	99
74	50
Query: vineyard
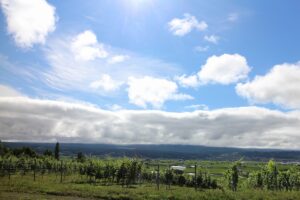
132	178
124	172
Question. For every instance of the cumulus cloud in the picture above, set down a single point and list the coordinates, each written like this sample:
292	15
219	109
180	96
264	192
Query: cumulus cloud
224	69
85	46
281	85
25	119
181	27
212	39
188	81
153	91
30	21
117	59
106	83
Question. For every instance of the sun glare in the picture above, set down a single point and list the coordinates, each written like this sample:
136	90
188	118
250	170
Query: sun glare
137	5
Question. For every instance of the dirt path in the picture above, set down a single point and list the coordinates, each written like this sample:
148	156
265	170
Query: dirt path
33	196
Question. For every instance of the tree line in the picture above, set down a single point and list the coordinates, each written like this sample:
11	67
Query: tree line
28	152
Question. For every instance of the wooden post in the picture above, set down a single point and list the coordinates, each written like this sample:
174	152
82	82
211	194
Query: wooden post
34	167
61	171
169	183
55	170
157	177
9	169
23	171
196	177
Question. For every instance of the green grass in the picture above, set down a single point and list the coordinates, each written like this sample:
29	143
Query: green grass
49	187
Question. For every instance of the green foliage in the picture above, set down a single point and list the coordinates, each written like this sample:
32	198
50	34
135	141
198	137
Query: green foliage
284	180
48	152
270	174
232	176
270	178
81	157
121	174
24	151
255	180
3	150
181	180
207	181
56	151
169	177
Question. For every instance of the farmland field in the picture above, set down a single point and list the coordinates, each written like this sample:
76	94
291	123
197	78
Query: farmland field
67	182
50	188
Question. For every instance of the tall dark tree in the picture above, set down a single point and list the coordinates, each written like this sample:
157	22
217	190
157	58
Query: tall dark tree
80	157
235	177
56	151
1	148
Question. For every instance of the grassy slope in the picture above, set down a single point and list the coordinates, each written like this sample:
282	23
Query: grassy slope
50	188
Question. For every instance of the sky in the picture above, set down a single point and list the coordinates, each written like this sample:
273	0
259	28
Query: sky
216	73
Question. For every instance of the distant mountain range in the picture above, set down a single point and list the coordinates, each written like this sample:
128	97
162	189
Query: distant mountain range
165	151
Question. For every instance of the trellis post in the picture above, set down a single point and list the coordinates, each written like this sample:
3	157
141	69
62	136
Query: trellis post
9	164
196	177
157	177
34	167
61	171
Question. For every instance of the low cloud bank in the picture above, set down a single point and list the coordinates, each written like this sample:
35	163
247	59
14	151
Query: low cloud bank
26	119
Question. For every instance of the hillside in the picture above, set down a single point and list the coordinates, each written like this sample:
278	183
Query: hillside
165	151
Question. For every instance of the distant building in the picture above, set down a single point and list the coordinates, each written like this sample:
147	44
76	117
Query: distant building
177	167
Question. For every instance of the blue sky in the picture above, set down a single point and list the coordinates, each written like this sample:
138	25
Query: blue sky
265	33
168	56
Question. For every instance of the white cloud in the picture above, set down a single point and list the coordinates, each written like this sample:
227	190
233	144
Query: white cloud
66	73
224	69
117	59
29	21
106	83
25	119
232	17
281	85
188	81
6	91
181	27
212	39
201	48
115	107
86	47
153	91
